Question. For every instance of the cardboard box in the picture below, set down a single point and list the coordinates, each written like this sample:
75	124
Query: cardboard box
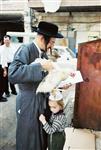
79	139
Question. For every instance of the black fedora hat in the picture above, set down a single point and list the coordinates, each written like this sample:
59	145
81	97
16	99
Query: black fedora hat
48	29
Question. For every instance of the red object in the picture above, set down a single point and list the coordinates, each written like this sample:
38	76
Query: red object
87	107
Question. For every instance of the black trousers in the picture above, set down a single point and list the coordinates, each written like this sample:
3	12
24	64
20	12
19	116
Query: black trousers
7	83
56	141
2	86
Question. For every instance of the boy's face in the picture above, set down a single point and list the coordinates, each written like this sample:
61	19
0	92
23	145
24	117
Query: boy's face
54	106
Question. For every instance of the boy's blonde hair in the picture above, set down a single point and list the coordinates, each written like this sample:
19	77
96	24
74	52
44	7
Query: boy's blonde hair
61	103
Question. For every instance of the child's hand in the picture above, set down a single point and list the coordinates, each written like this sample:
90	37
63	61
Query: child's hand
42	119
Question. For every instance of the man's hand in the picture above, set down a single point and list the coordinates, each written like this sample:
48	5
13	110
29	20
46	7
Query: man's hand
66	86
46	64
4	72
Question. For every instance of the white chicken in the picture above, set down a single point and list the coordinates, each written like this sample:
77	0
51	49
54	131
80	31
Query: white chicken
54	77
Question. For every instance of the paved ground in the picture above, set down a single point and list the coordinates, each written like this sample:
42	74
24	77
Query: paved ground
8	122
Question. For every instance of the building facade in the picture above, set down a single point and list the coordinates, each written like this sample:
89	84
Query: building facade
14	16
79	20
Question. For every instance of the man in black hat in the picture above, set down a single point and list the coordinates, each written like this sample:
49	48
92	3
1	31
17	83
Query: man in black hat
28	74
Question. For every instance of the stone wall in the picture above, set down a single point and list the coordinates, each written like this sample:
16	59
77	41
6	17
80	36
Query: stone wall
35	4
82	26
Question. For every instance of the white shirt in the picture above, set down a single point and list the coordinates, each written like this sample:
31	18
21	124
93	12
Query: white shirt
2	62
6	55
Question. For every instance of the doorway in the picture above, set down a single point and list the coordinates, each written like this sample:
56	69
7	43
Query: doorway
11	22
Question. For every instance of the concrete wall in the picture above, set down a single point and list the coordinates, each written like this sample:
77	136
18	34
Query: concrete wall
34	3
10	10
82	26
12	5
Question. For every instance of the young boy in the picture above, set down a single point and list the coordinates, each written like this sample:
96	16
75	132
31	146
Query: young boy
55	127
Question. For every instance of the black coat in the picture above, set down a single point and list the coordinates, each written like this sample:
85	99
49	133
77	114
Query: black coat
2	79
29	135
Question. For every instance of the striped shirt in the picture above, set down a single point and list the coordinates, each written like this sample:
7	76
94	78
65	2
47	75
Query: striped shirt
57	123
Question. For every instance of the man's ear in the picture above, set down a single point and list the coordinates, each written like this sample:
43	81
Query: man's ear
42	38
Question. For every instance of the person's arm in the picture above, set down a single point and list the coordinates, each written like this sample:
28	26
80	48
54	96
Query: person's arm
3	63
21	71
50	129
